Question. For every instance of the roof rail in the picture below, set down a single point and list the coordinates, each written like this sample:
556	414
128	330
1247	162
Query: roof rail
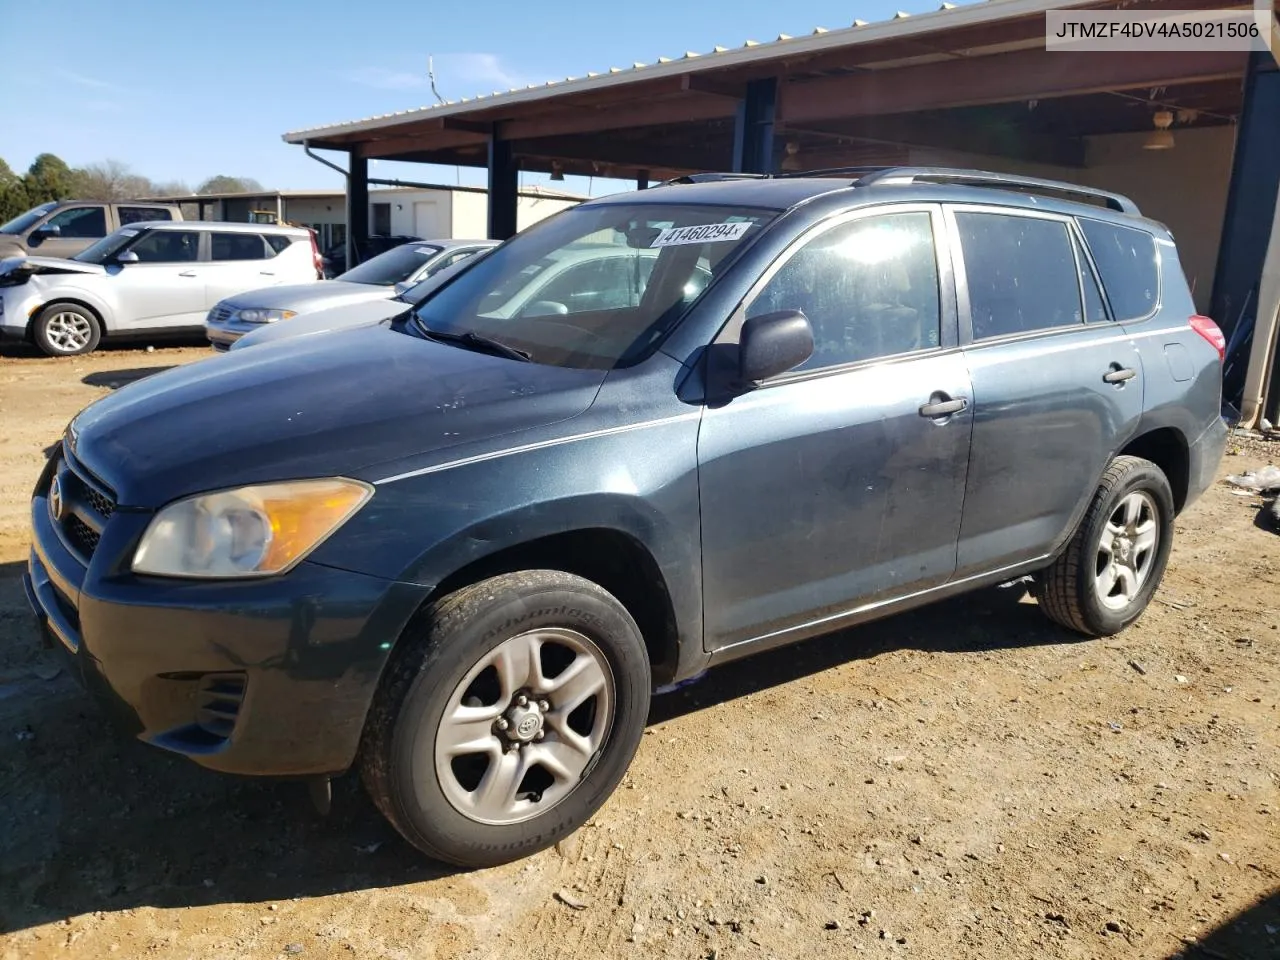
832	171
1005	181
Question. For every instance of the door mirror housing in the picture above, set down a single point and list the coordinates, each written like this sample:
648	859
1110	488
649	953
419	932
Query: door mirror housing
773	343
48	230
128	256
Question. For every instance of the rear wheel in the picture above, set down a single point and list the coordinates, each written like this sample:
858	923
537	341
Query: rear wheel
66	330
1104	580
507	716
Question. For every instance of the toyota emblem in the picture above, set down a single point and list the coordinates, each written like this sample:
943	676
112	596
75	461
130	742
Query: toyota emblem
56	505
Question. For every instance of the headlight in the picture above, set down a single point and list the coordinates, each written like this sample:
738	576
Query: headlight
250	532
257	315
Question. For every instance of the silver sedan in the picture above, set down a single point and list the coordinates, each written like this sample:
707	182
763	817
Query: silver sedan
379	278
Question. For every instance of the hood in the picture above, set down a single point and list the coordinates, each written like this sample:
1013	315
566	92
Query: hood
325	406
362	313
308	296
19	268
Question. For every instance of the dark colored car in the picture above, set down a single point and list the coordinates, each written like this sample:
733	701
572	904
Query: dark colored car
458	551
335	258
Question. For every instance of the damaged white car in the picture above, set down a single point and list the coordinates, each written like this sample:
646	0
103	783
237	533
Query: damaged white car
145	278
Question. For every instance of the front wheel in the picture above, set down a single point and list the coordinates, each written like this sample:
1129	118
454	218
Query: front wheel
1104	580
507	716
66	330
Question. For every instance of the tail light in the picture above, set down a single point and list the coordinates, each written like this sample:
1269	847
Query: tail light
315	256
1211	332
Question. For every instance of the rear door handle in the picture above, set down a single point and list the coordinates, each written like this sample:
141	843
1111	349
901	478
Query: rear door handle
943	408
187	273
267	273
1119	375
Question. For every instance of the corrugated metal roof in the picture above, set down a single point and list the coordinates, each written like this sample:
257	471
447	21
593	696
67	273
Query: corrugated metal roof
948	16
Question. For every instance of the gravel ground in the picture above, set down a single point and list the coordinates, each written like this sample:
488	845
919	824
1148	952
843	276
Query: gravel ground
966	781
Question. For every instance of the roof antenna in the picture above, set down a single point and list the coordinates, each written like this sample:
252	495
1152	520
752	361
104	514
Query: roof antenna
431	75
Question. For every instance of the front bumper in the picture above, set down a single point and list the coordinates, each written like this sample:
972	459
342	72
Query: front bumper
223	333
268	677
16	306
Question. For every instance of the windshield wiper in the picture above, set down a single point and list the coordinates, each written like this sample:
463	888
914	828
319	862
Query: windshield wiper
474	341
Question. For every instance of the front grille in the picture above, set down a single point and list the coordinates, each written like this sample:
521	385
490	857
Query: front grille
219	700
87	505
219	315
103	505
83	537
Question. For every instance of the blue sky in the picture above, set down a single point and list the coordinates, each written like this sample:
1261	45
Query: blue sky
182	90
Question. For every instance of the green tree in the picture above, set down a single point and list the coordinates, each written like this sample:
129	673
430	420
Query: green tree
225	184
49	178
13	195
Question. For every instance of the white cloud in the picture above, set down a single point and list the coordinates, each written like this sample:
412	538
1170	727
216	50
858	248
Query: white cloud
92	83
457	75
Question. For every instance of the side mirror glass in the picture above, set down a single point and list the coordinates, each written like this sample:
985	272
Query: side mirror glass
127	257
773	343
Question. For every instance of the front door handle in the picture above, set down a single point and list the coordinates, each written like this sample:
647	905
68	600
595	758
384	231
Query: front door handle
267	273
187	273
1119	375
940	405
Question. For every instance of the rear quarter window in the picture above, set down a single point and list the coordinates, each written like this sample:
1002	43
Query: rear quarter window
277	243
1126	260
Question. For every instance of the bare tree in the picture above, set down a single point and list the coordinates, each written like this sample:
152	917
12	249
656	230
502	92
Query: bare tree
111	180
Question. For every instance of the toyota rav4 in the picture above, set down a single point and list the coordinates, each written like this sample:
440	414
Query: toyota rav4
458	551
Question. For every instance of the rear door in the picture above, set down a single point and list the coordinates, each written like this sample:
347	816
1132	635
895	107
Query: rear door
1057	386
165	286
840	483
238	262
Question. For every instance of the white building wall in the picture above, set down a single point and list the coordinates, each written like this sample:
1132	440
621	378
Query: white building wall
1184	188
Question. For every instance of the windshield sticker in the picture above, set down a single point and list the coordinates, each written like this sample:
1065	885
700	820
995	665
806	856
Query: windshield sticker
706	233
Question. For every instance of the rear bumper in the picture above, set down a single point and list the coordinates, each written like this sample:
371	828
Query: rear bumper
1204	457
270	677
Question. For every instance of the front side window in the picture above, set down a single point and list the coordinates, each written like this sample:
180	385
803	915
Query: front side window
391	267
594	286
82	223
869	288
168	246
236	246
1126	259
1021	273
142	214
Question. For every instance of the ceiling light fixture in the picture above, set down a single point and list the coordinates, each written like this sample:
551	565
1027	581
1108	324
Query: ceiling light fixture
790	163
1161	138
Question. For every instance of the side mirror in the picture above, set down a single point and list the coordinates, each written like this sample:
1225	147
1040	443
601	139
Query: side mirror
544	308
127	257
773	343
48	230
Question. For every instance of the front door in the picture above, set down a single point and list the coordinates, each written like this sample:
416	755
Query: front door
165	286
1057	386
840	483
76	228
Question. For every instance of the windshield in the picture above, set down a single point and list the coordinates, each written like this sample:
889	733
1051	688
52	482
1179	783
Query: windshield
391	267
595	286
107	247
23	220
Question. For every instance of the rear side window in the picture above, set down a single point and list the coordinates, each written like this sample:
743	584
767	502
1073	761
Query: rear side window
278	243
130	215
1126	259
1021	273
237	246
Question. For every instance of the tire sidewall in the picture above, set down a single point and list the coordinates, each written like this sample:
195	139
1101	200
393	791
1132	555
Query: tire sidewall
422	808
1148	478
42	340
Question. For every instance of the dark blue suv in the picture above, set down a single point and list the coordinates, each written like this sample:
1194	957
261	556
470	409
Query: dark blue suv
458	550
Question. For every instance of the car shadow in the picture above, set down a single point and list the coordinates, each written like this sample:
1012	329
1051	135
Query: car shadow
99	823
1268	515
1252	934
115	379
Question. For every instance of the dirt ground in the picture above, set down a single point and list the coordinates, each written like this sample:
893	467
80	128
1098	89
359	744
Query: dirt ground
967	781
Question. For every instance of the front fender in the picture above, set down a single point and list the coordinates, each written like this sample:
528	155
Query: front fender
63	287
